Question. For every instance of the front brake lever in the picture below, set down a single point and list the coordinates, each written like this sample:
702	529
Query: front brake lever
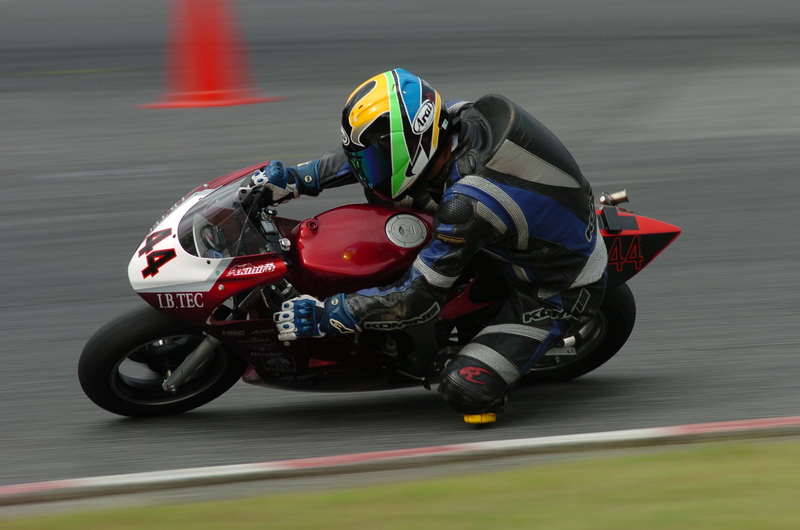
255	199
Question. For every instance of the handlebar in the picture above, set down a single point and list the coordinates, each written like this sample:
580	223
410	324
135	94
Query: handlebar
254	199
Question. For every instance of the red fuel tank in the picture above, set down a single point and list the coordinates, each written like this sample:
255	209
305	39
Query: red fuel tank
355	247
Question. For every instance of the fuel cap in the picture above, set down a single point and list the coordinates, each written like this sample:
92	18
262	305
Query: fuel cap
405	230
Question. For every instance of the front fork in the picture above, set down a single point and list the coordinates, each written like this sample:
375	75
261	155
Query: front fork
205	350
192	362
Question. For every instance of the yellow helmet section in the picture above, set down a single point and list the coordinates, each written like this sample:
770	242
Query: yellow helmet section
367	103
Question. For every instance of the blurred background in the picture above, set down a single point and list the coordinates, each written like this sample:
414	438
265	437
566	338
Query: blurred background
693	106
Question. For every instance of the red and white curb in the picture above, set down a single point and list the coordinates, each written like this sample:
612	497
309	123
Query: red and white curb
385	460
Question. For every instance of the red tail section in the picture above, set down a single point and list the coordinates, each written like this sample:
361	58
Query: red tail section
632	241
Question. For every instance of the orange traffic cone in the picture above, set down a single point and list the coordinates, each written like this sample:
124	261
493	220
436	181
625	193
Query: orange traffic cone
206	63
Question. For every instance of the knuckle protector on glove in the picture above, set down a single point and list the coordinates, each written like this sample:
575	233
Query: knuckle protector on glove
285	316
276	174
299	317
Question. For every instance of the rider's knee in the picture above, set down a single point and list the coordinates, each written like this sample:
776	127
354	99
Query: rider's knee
470	386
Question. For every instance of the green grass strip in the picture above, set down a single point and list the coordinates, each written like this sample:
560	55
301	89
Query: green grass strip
726	486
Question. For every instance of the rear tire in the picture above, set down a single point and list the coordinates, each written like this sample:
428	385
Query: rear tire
615	322
123	365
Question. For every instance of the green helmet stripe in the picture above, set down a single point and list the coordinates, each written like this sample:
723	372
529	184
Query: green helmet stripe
400	156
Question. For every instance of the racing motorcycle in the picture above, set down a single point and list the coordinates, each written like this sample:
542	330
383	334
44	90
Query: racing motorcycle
220	262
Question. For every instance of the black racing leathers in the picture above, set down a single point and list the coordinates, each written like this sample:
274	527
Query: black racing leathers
514	192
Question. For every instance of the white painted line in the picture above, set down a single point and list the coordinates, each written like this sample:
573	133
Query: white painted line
383	460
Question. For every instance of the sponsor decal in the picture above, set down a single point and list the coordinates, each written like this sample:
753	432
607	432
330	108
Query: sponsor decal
399	324
265	351
180	300
544	314
248	269
583	299
172	209
424	117
558	352
339	326
590	226
281	364
472	373
451	239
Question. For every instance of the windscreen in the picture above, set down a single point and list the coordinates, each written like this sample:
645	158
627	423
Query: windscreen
217	227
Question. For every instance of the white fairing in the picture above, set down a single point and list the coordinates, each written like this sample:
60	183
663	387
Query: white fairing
194	243
183	273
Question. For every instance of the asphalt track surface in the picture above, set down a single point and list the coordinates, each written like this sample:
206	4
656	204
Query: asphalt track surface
693	107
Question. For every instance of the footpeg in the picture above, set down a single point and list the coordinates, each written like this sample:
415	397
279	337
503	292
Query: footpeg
480	419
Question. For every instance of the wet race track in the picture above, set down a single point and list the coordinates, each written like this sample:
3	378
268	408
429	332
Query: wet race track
693	107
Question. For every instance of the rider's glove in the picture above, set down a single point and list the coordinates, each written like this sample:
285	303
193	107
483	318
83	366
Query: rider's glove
306	316
278	180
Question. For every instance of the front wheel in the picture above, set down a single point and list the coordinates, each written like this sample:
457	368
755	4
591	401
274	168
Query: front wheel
612	327
124	364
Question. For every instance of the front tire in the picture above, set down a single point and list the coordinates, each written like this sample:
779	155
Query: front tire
614	324
123	365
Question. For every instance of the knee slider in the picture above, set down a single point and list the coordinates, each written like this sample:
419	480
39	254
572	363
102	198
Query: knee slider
469	386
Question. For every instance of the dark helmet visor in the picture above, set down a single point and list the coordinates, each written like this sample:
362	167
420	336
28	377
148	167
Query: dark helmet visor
372	165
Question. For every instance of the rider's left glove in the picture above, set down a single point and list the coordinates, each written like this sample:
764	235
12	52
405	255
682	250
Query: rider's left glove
306	316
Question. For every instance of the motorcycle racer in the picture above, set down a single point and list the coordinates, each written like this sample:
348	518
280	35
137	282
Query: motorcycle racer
500	183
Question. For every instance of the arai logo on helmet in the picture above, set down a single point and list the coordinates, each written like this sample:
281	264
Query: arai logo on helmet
345	136
424	118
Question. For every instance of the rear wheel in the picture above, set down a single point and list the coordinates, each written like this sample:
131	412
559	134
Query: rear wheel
123	365
612	327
